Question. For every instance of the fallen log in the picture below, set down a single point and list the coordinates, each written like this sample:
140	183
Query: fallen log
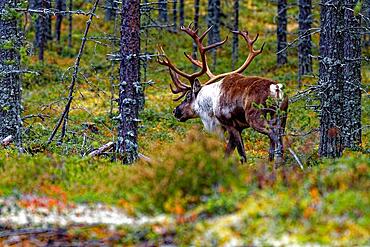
7	140
102	149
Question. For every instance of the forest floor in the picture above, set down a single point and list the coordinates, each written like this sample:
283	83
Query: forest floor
188	194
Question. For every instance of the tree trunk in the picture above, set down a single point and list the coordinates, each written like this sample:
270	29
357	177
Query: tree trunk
235	36
214	11
10	84
331	78
182	11
70	8
162	9
365	11
282	56
174	13
129	81
110	9
196	25
60	5
304	42
352	77
48	34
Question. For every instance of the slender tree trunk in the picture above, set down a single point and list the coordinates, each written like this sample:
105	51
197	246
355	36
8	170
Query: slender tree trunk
182	11
162	9
60	5
10	84
70	8
196	25
214	12
365	11
282	56
331	78
49	33
352	77
129	81
110	9
40	29
174	13
235	36
304	42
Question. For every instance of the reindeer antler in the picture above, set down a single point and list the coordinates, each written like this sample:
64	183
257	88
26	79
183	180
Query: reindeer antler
252	54
164	60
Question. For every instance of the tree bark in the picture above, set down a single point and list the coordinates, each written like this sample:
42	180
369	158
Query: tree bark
182	15
214	13
304	42
235	36
60	5
196	25
70	8
10	84
162	9
174	13
129	81
110	9
352	77
282	56
331	78
365	11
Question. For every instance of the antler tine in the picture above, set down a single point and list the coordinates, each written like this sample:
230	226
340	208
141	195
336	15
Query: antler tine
252	54
199	64
205	33
179	86
178	83
164	60
207	48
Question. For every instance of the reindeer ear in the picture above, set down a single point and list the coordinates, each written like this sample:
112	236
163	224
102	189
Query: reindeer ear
196	86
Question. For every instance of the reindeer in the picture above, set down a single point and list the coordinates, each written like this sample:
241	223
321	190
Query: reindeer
230	102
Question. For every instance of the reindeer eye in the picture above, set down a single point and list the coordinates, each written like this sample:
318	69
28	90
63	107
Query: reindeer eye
188	96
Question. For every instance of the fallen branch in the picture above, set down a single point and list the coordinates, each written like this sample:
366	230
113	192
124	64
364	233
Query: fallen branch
145	158
41	116
10	233
7	140
102	149
296	158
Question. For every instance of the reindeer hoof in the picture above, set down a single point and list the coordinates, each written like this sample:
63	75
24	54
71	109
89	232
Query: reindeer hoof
243	160
279	161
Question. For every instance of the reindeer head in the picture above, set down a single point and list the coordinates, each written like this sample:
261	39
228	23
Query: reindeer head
185	110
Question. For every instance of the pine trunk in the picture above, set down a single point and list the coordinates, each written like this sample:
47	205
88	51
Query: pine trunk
182	15
352	77
214	12
110	9
235	36
162	8
304	42
129	81
174	13
196	25
10	84
331	78
282	56
60	5
70	8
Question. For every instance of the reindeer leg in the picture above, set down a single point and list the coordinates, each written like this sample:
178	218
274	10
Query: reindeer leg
276	148
272	150
231	145
235	140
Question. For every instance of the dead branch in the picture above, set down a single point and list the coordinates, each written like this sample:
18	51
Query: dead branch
102	149
7	140
64	116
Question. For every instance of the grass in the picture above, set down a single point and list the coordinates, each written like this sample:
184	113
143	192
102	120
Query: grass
327	203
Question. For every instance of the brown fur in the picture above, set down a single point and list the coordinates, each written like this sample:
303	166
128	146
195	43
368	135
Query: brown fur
237	112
